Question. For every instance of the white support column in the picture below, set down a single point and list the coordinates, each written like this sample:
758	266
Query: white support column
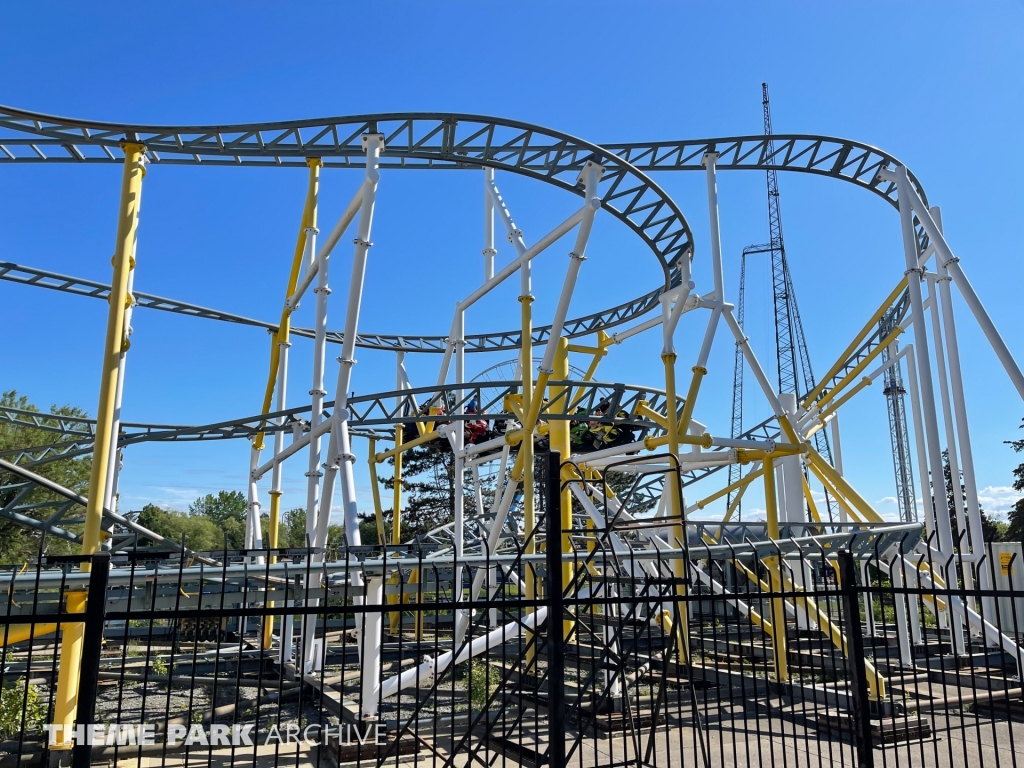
945	258
922	454
370	647
936	493
791	503
317	392
837	458
962	541
373	144
709	162
340	457
962	425
590	176
285	651
253	533
459	474
489	251
902	620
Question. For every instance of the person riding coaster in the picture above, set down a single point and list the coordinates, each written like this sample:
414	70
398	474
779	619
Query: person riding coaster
594	435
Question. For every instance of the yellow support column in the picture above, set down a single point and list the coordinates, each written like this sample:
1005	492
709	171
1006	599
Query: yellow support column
779	645
281	341
558	435
396	499
66	701
680	565
525	459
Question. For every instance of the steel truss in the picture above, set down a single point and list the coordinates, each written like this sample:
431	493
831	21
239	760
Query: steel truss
672	450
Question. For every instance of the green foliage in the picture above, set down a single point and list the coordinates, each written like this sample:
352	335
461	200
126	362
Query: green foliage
991	530
22	709
18	543
1015	528
201	534
291	531
481	681
159	666
227	511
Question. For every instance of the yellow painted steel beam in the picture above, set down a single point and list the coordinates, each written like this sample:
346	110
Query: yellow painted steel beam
66	700
18	633
739	484
859	368
560	441
380	458
603	342
780	648
273	538
855	516
644	409
868	327
396	497
824	468
876	682
675	505
691	398
283	330
371	461
523	469
704	441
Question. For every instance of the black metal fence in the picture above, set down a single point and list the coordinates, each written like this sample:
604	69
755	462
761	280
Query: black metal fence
621	642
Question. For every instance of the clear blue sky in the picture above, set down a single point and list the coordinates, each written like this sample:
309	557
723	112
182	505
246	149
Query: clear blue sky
939	85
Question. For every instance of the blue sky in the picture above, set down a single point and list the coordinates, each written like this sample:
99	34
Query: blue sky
939	85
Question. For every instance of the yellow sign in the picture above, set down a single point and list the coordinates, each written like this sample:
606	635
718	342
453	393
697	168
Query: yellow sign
1004	562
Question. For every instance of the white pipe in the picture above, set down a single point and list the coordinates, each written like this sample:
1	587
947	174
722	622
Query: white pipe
298	444
437	665
527	255
951	442
374	145
837	458
325	250
813	413
962	424
991	633
927	391
670	316
591	176
755	366
458	435
317	392
253	534
488	252
945	257
922	455
690	303
709	161
370	639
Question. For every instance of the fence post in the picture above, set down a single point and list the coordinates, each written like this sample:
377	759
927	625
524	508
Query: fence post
556	610
92	648
855	659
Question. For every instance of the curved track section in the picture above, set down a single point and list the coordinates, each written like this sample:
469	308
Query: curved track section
412	140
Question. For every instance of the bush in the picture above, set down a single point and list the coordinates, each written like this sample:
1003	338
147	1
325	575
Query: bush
22	708
481	681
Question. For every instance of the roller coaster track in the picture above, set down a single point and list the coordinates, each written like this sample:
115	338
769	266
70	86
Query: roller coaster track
426	141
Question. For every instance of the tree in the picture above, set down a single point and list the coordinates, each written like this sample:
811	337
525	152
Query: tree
17	542
1015	529
428	494
991	530
291	531
226	510
201	534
